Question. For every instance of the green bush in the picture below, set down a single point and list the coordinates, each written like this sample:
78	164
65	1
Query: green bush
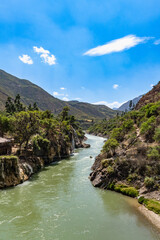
118	134
110	170
157	135
129	191
154	153
40	145
128	124
151	204
147	128
149	182
110	145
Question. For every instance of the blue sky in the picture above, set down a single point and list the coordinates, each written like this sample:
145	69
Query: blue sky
89	50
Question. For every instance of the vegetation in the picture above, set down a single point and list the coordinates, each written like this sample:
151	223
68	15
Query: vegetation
124	189
151	204
38	131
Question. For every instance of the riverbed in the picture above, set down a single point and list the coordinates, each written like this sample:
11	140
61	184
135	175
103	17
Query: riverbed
59	203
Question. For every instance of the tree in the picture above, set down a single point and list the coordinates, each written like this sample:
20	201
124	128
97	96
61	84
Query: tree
14	106
18	105
4	125
35	107
130	105
10	108
64	114
25	125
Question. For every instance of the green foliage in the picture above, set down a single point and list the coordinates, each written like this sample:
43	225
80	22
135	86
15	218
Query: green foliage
147	127
149	182
4	125
14	106
129	191
110	170
40	145
154	153
110	145
25	125
11	157
157	135
151	204
117	133
128	124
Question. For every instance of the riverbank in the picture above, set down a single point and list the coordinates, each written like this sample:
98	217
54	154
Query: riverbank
151	216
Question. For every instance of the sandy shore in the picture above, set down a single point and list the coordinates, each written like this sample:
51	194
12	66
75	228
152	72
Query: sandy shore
151	216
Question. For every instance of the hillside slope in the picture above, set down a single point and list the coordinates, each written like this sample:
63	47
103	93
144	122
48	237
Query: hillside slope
150	97
30	93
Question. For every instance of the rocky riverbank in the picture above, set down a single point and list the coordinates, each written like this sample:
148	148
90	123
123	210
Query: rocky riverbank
17	169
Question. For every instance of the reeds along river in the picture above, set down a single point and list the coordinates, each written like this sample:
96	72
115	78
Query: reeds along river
60	203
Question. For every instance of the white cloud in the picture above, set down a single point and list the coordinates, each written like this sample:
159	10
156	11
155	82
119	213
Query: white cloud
45	55
157	42
57	94
62	88
115	86
26	59
65	99
117	45
40	50
111	105
152	85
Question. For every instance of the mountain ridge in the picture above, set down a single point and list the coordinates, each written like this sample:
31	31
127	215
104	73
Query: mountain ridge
10	86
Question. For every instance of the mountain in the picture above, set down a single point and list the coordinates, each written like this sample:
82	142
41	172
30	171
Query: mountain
150	97
10	86
125	106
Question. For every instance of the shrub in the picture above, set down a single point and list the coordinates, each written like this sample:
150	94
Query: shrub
157	135
149	182
110	145
40	145
151	204
110	170
117	133
129	191
147	128
128	124
154	153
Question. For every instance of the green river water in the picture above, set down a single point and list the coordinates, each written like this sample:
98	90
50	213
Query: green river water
59	203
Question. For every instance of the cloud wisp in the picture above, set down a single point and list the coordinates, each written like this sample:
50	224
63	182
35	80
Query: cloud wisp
110	105
45	55
26	59
117	45
157	42
115	86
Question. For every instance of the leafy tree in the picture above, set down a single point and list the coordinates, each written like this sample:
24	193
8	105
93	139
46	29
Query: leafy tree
4	125
64	115
25	125
18	105
9	106
14	106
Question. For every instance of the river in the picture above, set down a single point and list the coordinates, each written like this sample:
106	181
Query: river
59	203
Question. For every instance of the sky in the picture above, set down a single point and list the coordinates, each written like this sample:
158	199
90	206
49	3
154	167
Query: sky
96	51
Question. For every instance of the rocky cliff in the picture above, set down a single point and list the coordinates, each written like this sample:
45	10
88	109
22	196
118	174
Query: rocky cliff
15	170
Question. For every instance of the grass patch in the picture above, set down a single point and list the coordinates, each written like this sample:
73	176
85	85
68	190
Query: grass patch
151	204
124	189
